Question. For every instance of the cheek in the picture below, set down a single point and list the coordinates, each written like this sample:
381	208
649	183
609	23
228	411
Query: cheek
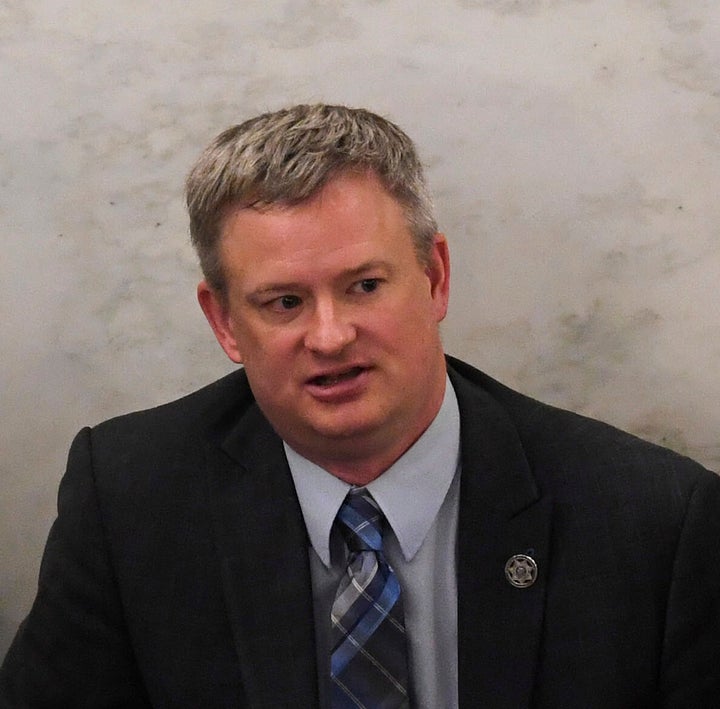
417	313
270	375
262	344
402	338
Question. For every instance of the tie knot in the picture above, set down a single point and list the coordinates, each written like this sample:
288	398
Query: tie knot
361	521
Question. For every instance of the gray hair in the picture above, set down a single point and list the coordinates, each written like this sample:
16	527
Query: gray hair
288	156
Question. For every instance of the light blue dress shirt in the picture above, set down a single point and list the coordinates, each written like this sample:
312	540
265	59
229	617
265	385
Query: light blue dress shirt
419	496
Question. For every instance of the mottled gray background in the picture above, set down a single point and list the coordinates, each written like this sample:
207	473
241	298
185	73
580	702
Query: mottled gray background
573	147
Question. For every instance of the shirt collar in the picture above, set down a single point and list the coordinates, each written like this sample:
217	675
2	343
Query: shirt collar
427	468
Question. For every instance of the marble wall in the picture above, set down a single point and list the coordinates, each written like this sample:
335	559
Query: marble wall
573	147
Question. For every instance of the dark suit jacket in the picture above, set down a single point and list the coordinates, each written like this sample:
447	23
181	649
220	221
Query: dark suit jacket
176	574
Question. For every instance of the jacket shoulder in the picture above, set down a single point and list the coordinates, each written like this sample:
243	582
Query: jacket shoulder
212	408
567	443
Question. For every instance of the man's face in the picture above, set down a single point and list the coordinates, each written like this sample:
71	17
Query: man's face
335	321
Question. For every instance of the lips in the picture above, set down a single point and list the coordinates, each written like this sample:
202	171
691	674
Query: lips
329	380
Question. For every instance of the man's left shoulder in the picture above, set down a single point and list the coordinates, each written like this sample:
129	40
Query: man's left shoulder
566	448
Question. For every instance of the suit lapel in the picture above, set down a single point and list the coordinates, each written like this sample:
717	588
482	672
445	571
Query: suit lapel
501	514
263	550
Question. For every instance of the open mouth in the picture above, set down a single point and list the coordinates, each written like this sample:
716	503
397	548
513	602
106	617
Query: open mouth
328	380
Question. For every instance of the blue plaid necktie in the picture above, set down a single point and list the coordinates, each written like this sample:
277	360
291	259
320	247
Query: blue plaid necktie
368	666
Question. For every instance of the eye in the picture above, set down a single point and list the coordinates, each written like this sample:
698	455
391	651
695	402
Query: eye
285	302
367	285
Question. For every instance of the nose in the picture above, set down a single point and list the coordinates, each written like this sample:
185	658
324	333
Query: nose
329	332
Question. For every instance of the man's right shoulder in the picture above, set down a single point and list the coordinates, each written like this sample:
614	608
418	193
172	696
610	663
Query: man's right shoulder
209	411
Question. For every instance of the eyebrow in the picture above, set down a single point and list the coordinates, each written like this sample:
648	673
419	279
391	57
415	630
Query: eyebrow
279	287
369	266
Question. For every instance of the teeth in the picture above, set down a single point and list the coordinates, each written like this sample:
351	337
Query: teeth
327	380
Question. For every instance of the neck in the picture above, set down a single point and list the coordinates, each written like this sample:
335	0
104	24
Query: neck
360	473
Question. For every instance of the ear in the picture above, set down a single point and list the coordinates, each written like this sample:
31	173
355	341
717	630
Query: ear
218	315
438	272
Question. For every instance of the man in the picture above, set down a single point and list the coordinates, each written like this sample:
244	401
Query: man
491	550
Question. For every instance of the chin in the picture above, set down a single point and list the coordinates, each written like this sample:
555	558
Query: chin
344	430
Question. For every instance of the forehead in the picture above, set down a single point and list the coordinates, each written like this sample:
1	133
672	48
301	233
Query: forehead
351	213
